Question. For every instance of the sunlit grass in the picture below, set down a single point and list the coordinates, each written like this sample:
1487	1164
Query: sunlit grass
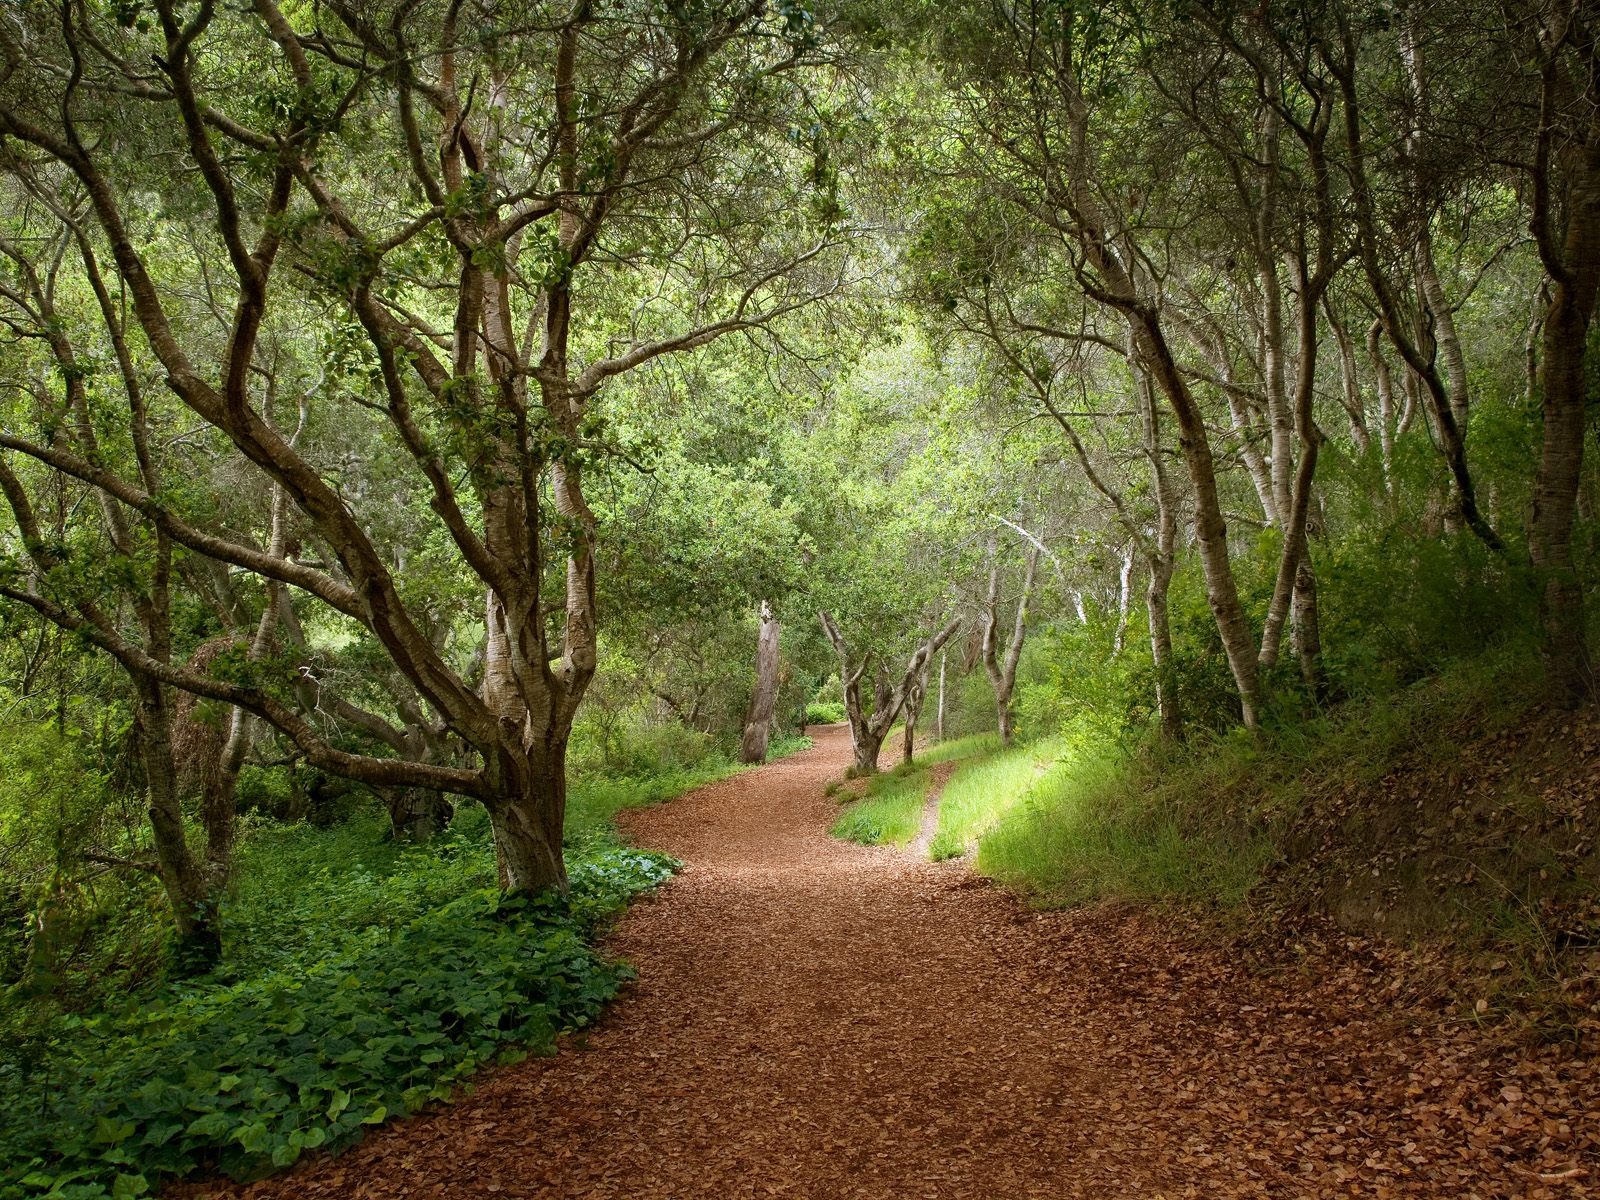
967	747
1092	829
981	793
889	811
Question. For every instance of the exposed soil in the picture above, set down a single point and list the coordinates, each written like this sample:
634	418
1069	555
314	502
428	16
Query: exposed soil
817	1019
937	778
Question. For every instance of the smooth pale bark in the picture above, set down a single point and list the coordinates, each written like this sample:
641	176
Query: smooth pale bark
938	722
869	728
1295	586
1384	381
1274	374
1349	381
1161	558
1003	672
764	699
1124	598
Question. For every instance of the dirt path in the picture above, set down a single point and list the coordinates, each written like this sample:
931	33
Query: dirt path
815	1019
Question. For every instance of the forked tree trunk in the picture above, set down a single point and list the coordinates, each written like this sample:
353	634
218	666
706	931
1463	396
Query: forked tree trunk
868	729
529	800
763	701
913	713
1003	673
526	820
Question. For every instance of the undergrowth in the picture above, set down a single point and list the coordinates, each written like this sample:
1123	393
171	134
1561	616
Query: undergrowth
1200	824
361	980
889	809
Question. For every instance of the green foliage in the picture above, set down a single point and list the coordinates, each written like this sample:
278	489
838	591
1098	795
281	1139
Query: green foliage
1198	824
890	807
819	712
362	978
1097	827
244	1078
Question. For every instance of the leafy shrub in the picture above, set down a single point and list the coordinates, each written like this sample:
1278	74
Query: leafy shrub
829	712
244	1078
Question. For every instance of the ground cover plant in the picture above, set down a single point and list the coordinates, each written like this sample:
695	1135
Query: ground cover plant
364	978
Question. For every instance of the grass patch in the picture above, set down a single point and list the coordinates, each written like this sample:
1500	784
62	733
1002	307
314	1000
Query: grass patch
970	746
980	793
1199	824
889	811
1090	829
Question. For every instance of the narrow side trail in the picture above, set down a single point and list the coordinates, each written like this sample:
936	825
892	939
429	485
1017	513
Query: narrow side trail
815	1019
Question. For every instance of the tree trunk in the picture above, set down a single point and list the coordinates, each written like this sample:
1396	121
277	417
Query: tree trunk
1387	422
526	819
417	814
188	885
938	723
1124	598
1168	711
913	713
1307	626
1003	674
763	701
867	730
867	745
1572	262
1569	671
1349	382
1211	531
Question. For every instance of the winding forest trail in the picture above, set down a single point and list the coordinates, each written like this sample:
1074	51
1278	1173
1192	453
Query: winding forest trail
816	1019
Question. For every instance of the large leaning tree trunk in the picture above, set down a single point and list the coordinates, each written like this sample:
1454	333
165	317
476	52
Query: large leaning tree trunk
1566	186
764	698
530	151
1003	672
869	728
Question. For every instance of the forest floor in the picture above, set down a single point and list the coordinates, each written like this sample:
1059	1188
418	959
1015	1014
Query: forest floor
820	1019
